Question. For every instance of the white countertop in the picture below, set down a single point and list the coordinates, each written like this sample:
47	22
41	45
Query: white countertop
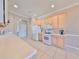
65	35
12	47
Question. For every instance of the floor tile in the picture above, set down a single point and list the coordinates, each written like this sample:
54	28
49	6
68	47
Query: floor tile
51	52
59	54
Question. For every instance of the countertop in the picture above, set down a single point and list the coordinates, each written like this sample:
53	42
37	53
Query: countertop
66	35
12	47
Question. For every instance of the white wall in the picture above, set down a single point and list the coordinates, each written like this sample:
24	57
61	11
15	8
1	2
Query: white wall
13	22
72	20
16	23
72	27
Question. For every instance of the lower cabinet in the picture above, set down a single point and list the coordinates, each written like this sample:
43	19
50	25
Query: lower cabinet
54	40
58	41
40	37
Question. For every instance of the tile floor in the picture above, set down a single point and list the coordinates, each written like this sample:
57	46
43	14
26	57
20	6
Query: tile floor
50	52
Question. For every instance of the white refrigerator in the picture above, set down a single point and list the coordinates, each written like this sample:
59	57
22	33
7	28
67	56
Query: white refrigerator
35	30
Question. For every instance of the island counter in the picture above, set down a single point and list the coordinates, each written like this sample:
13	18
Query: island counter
12	47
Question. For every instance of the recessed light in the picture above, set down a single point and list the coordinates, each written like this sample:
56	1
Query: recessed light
15	6
52	6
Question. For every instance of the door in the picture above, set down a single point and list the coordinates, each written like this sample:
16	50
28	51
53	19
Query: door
23	29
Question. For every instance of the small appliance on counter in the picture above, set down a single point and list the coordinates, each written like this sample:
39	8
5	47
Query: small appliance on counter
61	32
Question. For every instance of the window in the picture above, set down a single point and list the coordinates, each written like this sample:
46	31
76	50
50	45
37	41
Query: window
2	11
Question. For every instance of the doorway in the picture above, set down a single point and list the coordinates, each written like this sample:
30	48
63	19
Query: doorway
23	29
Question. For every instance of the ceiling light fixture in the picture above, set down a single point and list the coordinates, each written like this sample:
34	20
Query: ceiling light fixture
15	6
52	6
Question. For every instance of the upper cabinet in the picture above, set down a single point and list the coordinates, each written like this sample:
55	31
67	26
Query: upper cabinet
56	21
39	22
52	20
61	19
48	20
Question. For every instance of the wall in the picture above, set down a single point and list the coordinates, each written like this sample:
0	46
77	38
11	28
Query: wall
13	22
16	21
72	21
72	27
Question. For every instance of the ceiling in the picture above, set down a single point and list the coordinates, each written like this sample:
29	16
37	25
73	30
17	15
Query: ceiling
38	7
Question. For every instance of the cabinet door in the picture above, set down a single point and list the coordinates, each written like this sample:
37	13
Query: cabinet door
55	22
61	18
60	42
23	30
55	40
